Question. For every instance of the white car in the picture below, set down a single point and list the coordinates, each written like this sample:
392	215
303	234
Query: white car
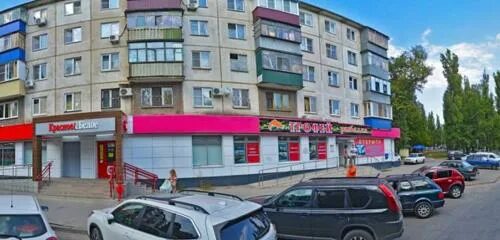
198	215
415	158
22	217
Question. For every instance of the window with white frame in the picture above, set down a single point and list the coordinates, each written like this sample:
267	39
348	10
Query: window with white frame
282	61
310	104
354	110
351	58
333	79
202	97
370	58
199	28
72	66
9	110
376	109
308	73
351	34
331	51
306	19
72	101
109	29
378	85
110	61
236	5
207	151
201	59
158	20
6	42
306	44
289	6
40	14
241	98
110	98
72	35
238	62
353	83
276	101
236	31
155	52
40	71
157	97
279	30
330	26
72	8
334	107
8	154
39	106
8	71
110	4
40	42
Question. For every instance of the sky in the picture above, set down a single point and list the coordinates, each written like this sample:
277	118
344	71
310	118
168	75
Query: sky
470	28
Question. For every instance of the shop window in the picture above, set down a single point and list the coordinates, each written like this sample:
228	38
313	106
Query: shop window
317	148
246	149
288	149
7	154
207	151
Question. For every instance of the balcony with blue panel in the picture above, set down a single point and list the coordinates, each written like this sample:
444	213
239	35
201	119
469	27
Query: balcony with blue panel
378	123
12	55
13	27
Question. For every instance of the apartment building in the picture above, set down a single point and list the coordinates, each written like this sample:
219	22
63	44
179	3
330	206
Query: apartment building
216	89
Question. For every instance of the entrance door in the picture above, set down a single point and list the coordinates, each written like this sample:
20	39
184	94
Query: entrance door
71	159
105	157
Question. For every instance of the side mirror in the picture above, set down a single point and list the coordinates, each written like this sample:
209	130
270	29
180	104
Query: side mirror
44	208
110	218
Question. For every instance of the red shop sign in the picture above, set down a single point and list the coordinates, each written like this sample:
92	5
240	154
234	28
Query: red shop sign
322	150
253	153
294	151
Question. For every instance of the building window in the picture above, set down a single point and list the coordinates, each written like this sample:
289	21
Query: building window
202	97
110	98
157	97
199	28
40	14
236	31
282	62
6	42
385	89
277	101
236	5
109	29
207	151
241	98
306	19
279	30
331	51
375	60
334	107
110	62
333	79
7	154
289	6
238	62
72	35
351	34
377	86
72	8
351	58
354	110
110	4
310	105
8	71
317	148
307	44
72	66
308	73
201	3
288	149
378	110
329	26
201	59
40	42
40	71
72	101
39	106
155	52
160	20
9	110
353	83
246	149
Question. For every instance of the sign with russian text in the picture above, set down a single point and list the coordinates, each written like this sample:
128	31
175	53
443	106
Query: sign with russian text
97	125
253	153
292	126
322	150
294	151
371	147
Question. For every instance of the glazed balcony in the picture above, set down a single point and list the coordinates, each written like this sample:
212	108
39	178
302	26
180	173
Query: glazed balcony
12	41
156	71
279	70
147	34
140	5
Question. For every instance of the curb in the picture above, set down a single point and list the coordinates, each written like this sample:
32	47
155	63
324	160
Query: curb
484	183
68	229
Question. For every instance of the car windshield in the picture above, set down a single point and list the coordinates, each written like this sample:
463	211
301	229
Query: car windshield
413	155
22	226
466	164
249	227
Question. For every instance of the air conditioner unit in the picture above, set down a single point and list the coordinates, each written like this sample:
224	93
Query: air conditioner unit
30	83
192	6
40	21
217	92
114	39
226	91
125	92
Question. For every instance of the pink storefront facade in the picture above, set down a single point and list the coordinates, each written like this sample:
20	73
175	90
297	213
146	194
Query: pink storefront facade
225	149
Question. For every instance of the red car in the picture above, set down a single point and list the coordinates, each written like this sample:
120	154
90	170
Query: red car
451	181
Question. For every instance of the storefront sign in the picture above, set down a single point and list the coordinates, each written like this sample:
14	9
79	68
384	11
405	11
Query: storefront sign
346	130
294	151
322	150
76	127
372	147
289	126
253	153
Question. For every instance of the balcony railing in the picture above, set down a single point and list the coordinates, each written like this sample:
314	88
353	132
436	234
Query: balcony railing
12	88
162	69
142	34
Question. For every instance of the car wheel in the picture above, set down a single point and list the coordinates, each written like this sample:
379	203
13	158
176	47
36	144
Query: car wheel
456	191
358	235
423	209
95	234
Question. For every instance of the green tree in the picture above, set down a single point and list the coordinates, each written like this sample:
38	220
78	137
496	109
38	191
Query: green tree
496	77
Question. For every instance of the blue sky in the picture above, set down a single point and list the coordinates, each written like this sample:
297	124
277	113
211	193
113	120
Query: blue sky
471	28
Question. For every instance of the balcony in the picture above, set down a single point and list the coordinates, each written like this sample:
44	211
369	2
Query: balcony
146	34
13	27
12	89
12	41
275	15
378	123
138	5
154	72
280	80
279	70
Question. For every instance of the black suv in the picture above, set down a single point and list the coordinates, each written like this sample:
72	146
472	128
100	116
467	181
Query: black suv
336	208
417	193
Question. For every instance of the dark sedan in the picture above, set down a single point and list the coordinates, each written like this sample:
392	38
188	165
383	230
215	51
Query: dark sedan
463	167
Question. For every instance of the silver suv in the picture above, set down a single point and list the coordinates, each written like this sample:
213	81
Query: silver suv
187	215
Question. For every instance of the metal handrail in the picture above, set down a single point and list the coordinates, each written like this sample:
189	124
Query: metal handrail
138	173
15	169
44	176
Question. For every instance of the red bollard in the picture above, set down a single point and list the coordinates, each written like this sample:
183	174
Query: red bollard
119	191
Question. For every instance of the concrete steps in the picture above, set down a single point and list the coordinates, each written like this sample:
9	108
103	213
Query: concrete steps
77	188
139	189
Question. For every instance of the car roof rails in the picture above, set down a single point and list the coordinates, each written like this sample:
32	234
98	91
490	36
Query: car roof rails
171	201
405	175
340	178
213	194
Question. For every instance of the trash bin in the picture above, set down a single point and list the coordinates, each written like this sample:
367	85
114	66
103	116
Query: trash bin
386	156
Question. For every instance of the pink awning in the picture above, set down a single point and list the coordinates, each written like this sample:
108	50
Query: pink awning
392	133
